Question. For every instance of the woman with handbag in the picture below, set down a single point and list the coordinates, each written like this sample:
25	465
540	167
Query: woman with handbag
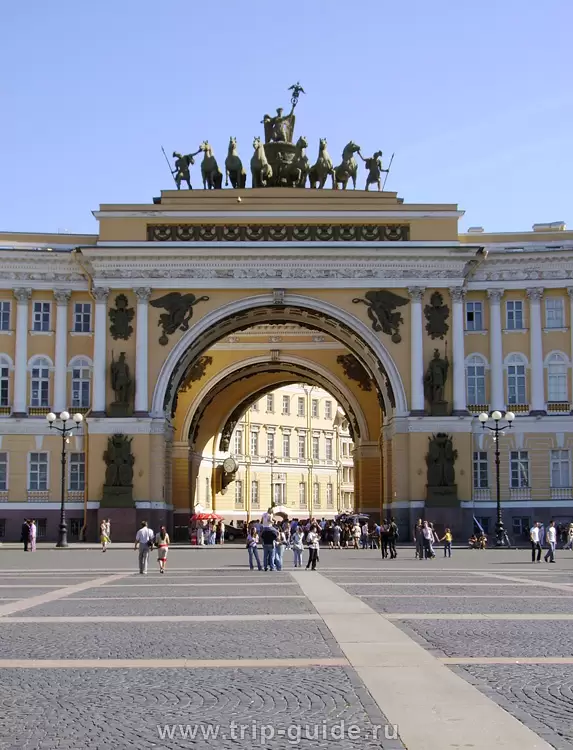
162	543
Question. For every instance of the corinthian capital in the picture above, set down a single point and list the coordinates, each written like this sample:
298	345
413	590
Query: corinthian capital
100	293
535	293
143	293
22	295
62	296
416	293
495	296
458	293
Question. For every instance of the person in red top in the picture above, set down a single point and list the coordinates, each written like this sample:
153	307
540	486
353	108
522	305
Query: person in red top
162	544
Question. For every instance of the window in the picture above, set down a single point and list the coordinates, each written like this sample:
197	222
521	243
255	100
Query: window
270	444
329	496
302	494
82	317
5	308
41	321
279	493
554	312
286	405
475	380
77	481
316	495
514	310
255	406
40	383
521	525
347	474
557	377
42	525
255	497
481	524
81	374
329	449
519	469
270	404
481	474
38	472
75	528
254	443
516	380
286	446
474	316
345	451
302	446
3	472
239	442
315	446
314	408
238	493
301	411
560	472
328	409
4	381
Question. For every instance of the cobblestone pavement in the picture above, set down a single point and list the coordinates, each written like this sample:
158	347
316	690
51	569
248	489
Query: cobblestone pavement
63	707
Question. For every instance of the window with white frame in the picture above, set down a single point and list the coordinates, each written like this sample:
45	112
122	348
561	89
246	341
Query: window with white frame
254	443
345	449
516	389
560	469
82	317
328	409
314	406
514	310
315	447
270	403
255	406
554	312
81	377
481	473
238	493
300	410
316	494
475	380
286	405
255	497
279	493
4	381
3	472
474	316
77	480
557	374
5	310
302	494
41	316
239	442
286	445
270	443
38	472
40	382
519	469
302	446
328	448
329	496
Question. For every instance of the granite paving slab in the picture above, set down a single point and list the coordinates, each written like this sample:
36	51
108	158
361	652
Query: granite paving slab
428	604
164	589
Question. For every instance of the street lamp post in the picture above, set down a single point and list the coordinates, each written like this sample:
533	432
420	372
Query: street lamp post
496	416
65	431
270	459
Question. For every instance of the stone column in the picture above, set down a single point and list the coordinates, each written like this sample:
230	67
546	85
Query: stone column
141	354
458	355
496	399
537	406
100	294
416	352
61	358
19	408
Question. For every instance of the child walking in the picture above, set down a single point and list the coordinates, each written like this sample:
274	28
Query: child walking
447	540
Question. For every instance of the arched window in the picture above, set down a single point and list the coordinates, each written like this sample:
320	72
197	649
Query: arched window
475	379
5	367
557	366
516	384
81	369
40	368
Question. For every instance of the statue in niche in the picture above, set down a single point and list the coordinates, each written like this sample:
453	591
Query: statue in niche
382	312
122	386
179	312
437	314
440	461
121	318
435	381
119	461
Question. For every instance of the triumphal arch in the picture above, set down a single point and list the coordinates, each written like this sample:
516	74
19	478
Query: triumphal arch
168	324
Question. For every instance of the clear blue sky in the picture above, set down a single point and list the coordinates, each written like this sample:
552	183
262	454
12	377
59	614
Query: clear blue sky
473	96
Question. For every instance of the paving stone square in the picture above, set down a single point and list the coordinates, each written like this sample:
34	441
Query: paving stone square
446	589
468	605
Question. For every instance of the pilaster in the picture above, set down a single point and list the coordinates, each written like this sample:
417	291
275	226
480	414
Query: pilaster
62	297
496	400
21	354
416	352
537	406
458	355
100	295
141	352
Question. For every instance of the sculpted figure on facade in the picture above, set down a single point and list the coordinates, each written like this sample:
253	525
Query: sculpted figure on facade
348	168
121	381
374	167
195	372
437	314
436	377
179	309
182	171
234	170
323	168
354	370
440	461
382	311
121	317
210	172
261	170
119	461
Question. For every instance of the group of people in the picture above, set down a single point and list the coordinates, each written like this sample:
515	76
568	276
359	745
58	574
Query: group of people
145	541
426	537
538	536
276	536
28	535
210	533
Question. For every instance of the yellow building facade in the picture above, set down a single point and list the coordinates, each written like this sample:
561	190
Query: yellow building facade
215	303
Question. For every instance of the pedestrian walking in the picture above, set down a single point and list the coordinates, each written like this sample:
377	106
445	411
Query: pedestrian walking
252	548
108	530
297	546
25	534
222	529
103	537
144	541
336	532
280	545
269	537
428	537
33	532
312	540
419	539
551	537
447	540
162	542
392	538
569	544
356	533
384	537
534	539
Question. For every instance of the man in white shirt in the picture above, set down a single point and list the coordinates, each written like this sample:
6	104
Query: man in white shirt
551	536
535	546
142	539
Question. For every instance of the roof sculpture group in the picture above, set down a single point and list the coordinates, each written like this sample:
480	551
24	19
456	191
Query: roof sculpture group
279	161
